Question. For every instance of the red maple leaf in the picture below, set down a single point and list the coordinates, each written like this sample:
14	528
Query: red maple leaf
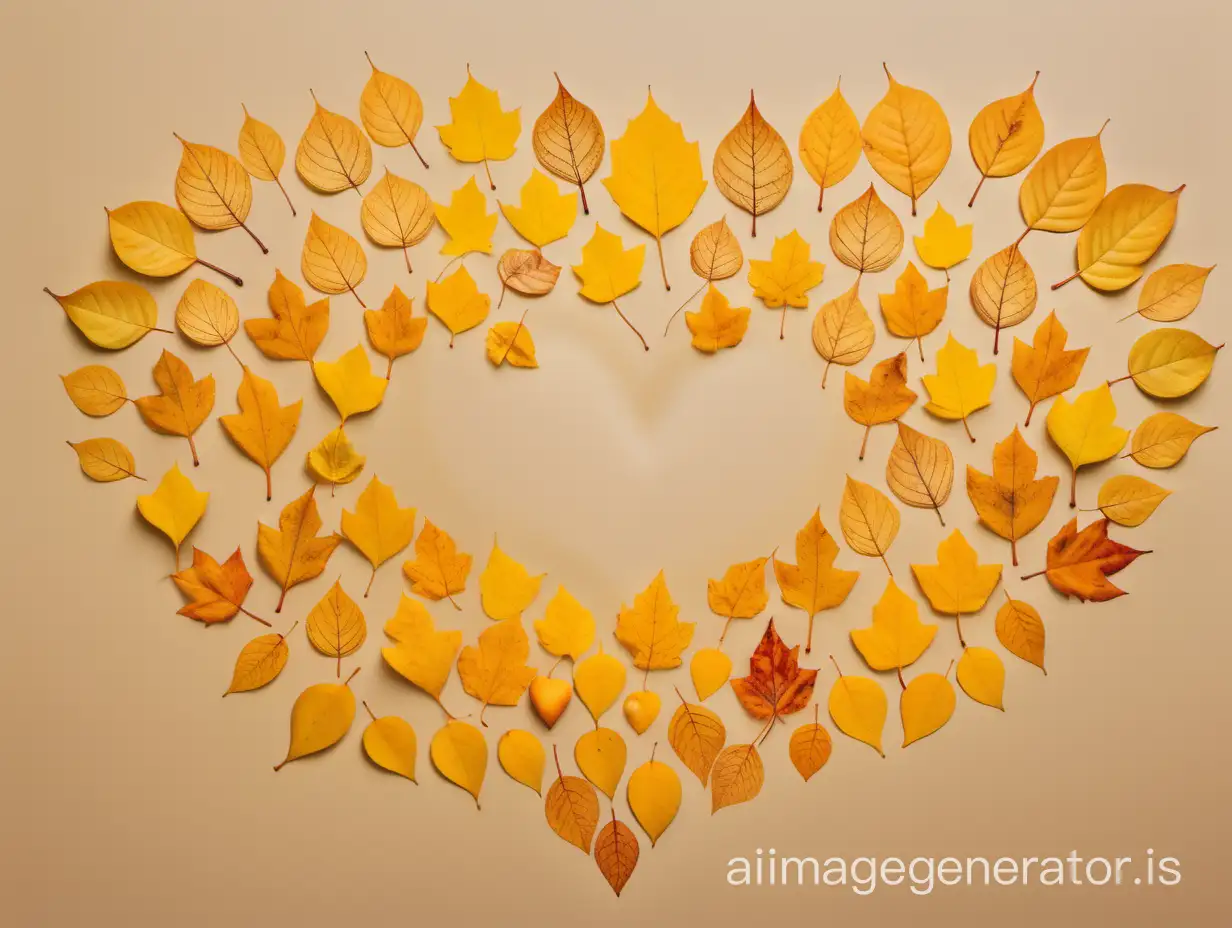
775	685
1079	563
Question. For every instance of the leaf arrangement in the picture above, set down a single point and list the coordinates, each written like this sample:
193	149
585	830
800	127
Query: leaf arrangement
655	180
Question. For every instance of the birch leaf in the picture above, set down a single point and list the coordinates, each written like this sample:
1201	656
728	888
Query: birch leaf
390	743
813	583
897	638
181	404
609	270
216	591
350	383
105	460
957	583
422	655
865	234
156	240
439	569
466	221
336	625
526	271
263	152
544	214
391	111
95	389
392	330
1129	500
830	143
654	793
697	736
262	428
960	386
1021	631
787	277
174	507
480	130
1003	291
1006	135
882	398
213	190
333	153
206	315
920	470
1085	431
334	460
568	141
506	588
601	755
842	331
297	329
1162	439
1045	368
717	325
259	663
397	213
457	302
858	707
1170	363
521	756
332	261
567	628
926	705
1066	185
495	672
944	242
1172	292
1126	230
982	676
912	310
752	165
112	314
1010	501
599	681
907	139
737	776
572	809
869	520
292	553
460	754
809	747
378	528
650	630
320	718
1080	563
616	853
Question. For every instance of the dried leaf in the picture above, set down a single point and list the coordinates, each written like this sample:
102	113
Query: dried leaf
333	153
216	591
292	553
920	470
842	331
334	460
545	214
332	261
1129	500
262	428
650	630
568	141
397	213
926	704
1162	439
459	752
457	302
259	662
1126	230
1021	631
112	314
944	242
567	628
1085	431
897	637
95	389
1172	292
321	716
957	583
858	707
1003	291
336	626
654	793
297	329
521	756
865	234
378	527
715	253
738	776
741	594
616	853
907	139
882	398
1046	369
1006	135
1169	363
262	152
506	588
787	277
982	676
609	270
813	583
869	520
496	672
511	342
206	315
105	460
174	507
830	143
697	736
599	681
392	330
716	325
809	747
960	386
479	129
752	164
181	404
1010	501
601	756
422	655
438	570
776	684
350	383
572	809
527	272
1066	185
912	310
213	190
390	743
391	110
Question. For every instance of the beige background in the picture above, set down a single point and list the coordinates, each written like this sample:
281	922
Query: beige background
133	795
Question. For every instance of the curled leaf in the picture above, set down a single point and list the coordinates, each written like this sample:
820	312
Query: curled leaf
334	460
511	342
526	271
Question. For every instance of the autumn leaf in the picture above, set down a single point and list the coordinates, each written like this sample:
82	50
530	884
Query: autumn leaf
830	143
333	153
752	164
421	654
479	129
1125	231
813	583
920	470
717	325
457	302
466	221
297	329
640	709
714	254
111	314
263	152
567	628
740	594
897	638
438	570
216	591
568	141
737	776
616	853
332	261
207	316
572	809
810	747
397	213
511	342
944	242
1005	136
1003	291
601	755
213	190
709	669
105	460
156	240
869	520
1010	501
378	528
506	588
957	583
526	271
1021	631
496	672
927	703
320	718
1162	439
1045	368
1079	563
776	684
334	460
982	676
390	743
350	383
292	553
521	755
858	707
650	630
336	625
392	330
391	111
95	389
459	752
259	662
882	398
787	277
609	270
654	793
912	310
1085	431
181	404
550	698
866	235
1171	292
1170	363
907	139
1063	189
174	507
599	681
960	386
697	736
842	331
544	214
262	428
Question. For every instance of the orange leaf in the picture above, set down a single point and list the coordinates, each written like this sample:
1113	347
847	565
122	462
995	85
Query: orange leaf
1079	563
217	590
775	685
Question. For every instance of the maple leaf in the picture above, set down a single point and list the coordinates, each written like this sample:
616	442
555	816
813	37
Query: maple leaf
1079	563
896	637
776	685
882	398
961	385
217	590
292	553
392	330
174	508
438	570
181	404
422	655
480	130
1045	368
545	214
457	302
467	221
1011	501
787	277
957	583
944	242
378	527
717	325
262	428
813	583
496	671
297	329
650	630
912	310
350	383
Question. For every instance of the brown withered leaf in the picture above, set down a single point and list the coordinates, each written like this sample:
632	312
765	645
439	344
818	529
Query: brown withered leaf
616	853
776	685
526	271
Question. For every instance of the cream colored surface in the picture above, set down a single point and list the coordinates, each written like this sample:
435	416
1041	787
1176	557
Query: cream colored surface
133	795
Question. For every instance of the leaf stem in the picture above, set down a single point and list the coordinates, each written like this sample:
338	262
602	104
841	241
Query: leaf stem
864	443
901	681
192	446
971	202
662	266
681	306
238	281
368	709
368	588
1062	283
255	617
631	325
278	181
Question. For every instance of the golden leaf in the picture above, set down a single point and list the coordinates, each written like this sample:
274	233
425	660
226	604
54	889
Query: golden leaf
526	271
259	662
737	776
656	177
297	329
609	270
616	853
216	591
262	428
654	793
181	404
813	583
1066	185
907	139
926	704
174	507
480	130
869	520
334	460
1129	500
262	152
1010	501
572	809
112	314
105	459
809	747
1003	291
716	325
206	315
333	153
422	655
459	752
897	638
961	385
95	389
710	669
944	242
496	672
332	261
1021	631
350	383
391	110
545	214
378	527
1046	369
741	594
1169	363
397	213
920	470
882	398
715	253
292	553
982	676
599	681
842	331
912	310
865	234
321	716
390	743
506	588
213	190
830	142
391	329
1005	136
1162	439
336	626
752	165
511	342
1172	292
650	629
1079	563
568	141
697	736
438	570
457	302
601	756
957	583
521	756
156	240
786	278
858	707
567	628
1085	431
466	221
1126	230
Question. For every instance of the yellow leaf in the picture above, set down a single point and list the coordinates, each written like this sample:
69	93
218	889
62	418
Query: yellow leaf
174	507
550	698
110	313
496	672
422	655
813	583
378	528
397	213
1010	501
545	214
926	704
105	459
1126	230
332	261
153	239
609	271
321	716
920	471
786	278
809	747
457	302
521	756
641	708
882	398
944	242
696	735
1172	292
599	681
1169	363
567	628
656	177
480	130
466	221
506	588
391	110
869	520
865	234
526	271
333	153
95	389
206	315
650	629
1021	631
292	553
897	637
1005	136
262	152
213	190
1066	185
1085	430
1130	500
912	310
392	330
390	743
709	668
259	662
572	809
350	383
568	140
601	755
717	325
511	342
752	165
961	385
1003	291
830	142
1046	368
1164	438
982	676
842	331
957	583
262	428
181	404
654	793
741	594
334	460
738	776
459	752
715	253
907	139
297	329
438	570
858	707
